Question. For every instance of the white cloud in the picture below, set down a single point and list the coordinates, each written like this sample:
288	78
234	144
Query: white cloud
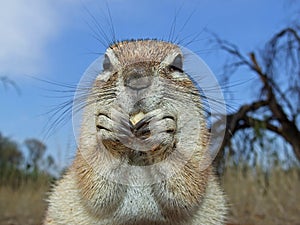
25	29
28	26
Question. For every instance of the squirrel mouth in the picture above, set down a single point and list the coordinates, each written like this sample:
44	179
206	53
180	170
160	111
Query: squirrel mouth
142	138
139	125
137	117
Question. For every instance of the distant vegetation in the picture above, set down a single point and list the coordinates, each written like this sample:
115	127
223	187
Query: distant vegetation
16	168
25	179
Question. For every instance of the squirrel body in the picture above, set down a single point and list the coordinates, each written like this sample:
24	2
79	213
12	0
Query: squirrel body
140	76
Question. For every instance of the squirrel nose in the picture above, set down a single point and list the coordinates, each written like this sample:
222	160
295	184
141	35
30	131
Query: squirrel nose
138	79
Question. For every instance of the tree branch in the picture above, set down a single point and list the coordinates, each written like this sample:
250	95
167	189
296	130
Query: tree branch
287	128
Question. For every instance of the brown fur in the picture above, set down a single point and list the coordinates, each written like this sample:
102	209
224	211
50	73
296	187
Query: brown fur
190	196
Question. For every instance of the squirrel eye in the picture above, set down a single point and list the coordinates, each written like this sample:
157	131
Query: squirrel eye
106	63
177	63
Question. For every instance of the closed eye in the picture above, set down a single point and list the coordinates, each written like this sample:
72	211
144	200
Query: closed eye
175	68
168	117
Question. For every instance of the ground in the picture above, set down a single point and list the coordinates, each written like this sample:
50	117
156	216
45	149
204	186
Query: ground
254	199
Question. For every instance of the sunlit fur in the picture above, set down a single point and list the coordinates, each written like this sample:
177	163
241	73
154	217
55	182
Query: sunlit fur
85	196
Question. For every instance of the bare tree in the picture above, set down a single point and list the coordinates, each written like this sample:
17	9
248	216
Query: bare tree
6	82
10	154
277	107
36	151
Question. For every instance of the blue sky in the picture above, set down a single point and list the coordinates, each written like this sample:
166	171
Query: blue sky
51	39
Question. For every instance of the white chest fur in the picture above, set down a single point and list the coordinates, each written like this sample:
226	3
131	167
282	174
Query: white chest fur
139	205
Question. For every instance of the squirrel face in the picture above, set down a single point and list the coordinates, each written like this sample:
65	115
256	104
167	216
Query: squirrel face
141	100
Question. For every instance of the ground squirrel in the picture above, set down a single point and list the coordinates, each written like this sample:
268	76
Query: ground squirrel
142	142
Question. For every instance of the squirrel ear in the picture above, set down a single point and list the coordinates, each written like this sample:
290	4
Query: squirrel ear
177	63
174	61
107	63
